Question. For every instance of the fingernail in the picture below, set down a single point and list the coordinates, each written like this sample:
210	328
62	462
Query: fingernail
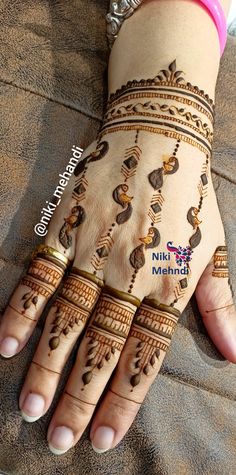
102	439
33	407
8	347
61	440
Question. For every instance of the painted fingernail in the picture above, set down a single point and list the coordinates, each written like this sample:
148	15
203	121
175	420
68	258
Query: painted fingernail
8	347
61	440
102	439
33	407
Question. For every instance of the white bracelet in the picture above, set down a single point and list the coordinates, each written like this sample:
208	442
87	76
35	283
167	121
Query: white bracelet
119	11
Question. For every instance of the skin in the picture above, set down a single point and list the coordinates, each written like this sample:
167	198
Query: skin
154	37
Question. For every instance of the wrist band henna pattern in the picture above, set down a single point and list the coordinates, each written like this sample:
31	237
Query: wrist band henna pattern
194	129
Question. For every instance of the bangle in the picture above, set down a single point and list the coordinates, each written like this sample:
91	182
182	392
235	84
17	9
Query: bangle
122	9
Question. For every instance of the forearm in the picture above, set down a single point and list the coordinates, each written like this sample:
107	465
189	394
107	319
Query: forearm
161	31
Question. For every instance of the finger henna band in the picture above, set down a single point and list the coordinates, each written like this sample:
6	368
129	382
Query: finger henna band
75	304
43	277
153	326
108	330
221	262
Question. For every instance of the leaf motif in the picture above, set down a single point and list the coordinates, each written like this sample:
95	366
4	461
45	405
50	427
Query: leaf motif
157	353
86	378
54	342
177	74
100	364
35	300
135	380
108	356
146	369
90	362
172	66
140	344
153	360
165	73
66	331
56	320
27	304
55	329
179	80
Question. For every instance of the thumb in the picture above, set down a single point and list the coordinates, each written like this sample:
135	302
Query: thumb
215	301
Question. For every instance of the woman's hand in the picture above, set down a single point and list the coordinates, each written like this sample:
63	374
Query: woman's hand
141	225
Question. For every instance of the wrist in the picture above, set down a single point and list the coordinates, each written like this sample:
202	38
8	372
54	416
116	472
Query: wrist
160	31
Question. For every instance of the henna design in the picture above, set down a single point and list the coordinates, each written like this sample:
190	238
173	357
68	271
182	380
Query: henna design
76	218
138	123
122	197
104	246
152	240
100	152
29	298
167	81
81	184
192	217
132	156
107	333
150	95
169	77
73	307
221	270
171	109
137	258
154	327
43	277
156	130
221	262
